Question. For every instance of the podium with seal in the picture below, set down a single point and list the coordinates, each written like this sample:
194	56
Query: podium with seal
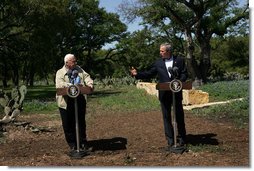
73	91
175	86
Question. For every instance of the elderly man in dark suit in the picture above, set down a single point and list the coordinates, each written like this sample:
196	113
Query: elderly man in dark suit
161	68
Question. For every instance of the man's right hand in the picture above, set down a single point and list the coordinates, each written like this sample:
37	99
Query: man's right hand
133	71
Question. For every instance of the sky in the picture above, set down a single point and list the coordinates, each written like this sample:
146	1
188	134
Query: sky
111	6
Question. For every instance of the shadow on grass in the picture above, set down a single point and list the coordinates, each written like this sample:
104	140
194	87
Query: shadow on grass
48	93
103	93
202	139
113	144
45	93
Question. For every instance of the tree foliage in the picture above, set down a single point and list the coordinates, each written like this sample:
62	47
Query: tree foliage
197	20
35	35
230	55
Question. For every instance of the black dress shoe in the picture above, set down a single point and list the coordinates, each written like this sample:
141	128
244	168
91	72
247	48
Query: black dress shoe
181	142
84	147
170	142
168	148
72	148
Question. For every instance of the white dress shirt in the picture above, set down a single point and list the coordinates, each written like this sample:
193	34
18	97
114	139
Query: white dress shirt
169	63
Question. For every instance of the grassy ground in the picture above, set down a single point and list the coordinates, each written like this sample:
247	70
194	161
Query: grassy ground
237	112
122	110
130	99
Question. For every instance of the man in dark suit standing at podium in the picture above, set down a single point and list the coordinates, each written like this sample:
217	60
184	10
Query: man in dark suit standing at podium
162	68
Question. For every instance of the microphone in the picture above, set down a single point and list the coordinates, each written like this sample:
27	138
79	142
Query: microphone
175	72
74	73
170	70
69	73
75	78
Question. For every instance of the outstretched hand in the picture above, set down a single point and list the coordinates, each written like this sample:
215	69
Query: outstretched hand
133	71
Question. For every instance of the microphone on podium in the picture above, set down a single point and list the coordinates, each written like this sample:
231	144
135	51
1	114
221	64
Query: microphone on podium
175	72
170	70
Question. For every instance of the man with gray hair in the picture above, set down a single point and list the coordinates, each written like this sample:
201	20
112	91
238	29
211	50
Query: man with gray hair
69	74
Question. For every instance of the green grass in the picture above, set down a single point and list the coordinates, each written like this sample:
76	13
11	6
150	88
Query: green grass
125	99
39	106
205	147
236	112
226	90
41	99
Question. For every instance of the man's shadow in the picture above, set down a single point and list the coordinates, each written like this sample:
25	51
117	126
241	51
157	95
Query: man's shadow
113	144
202	139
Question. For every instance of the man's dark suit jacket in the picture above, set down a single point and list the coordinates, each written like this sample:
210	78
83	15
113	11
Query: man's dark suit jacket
159	69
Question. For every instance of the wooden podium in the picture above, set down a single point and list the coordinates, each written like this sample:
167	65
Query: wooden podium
175	86
81	89
166	86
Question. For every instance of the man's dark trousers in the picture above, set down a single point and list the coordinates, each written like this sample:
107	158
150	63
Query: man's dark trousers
69	124
166	101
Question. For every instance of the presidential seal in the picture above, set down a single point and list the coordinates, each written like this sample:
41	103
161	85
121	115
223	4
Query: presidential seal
175	85
73	91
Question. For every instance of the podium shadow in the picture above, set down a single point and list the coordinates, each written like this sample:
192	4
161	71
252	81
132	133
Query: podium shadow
202	139
112	144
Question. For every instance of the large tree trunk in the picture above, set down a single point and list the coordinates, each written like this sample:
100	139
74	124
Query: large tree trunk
31	79
205	62
15	77
46	78
4	81
5	75
189	56
204	36
89	62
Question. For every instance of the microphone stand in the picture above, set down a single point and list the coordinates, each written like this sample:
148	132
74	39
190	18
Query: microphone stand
77	154
175	148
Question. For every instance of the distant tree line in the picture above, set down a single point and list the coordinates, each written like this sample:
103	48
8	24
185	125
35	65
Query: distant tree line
213	36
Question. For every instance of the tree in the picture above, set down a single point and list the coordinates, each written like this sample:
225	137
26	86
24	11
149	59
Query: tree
90	28
13	30
197	20
35	36
230	55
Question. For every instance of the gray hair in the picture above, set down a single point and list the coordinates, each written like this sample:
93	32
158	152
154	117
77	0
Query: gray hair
168	46
68	57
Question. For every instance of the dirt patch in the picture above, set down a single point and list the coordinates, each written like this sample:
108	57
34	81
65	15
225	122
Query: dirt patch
124	139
